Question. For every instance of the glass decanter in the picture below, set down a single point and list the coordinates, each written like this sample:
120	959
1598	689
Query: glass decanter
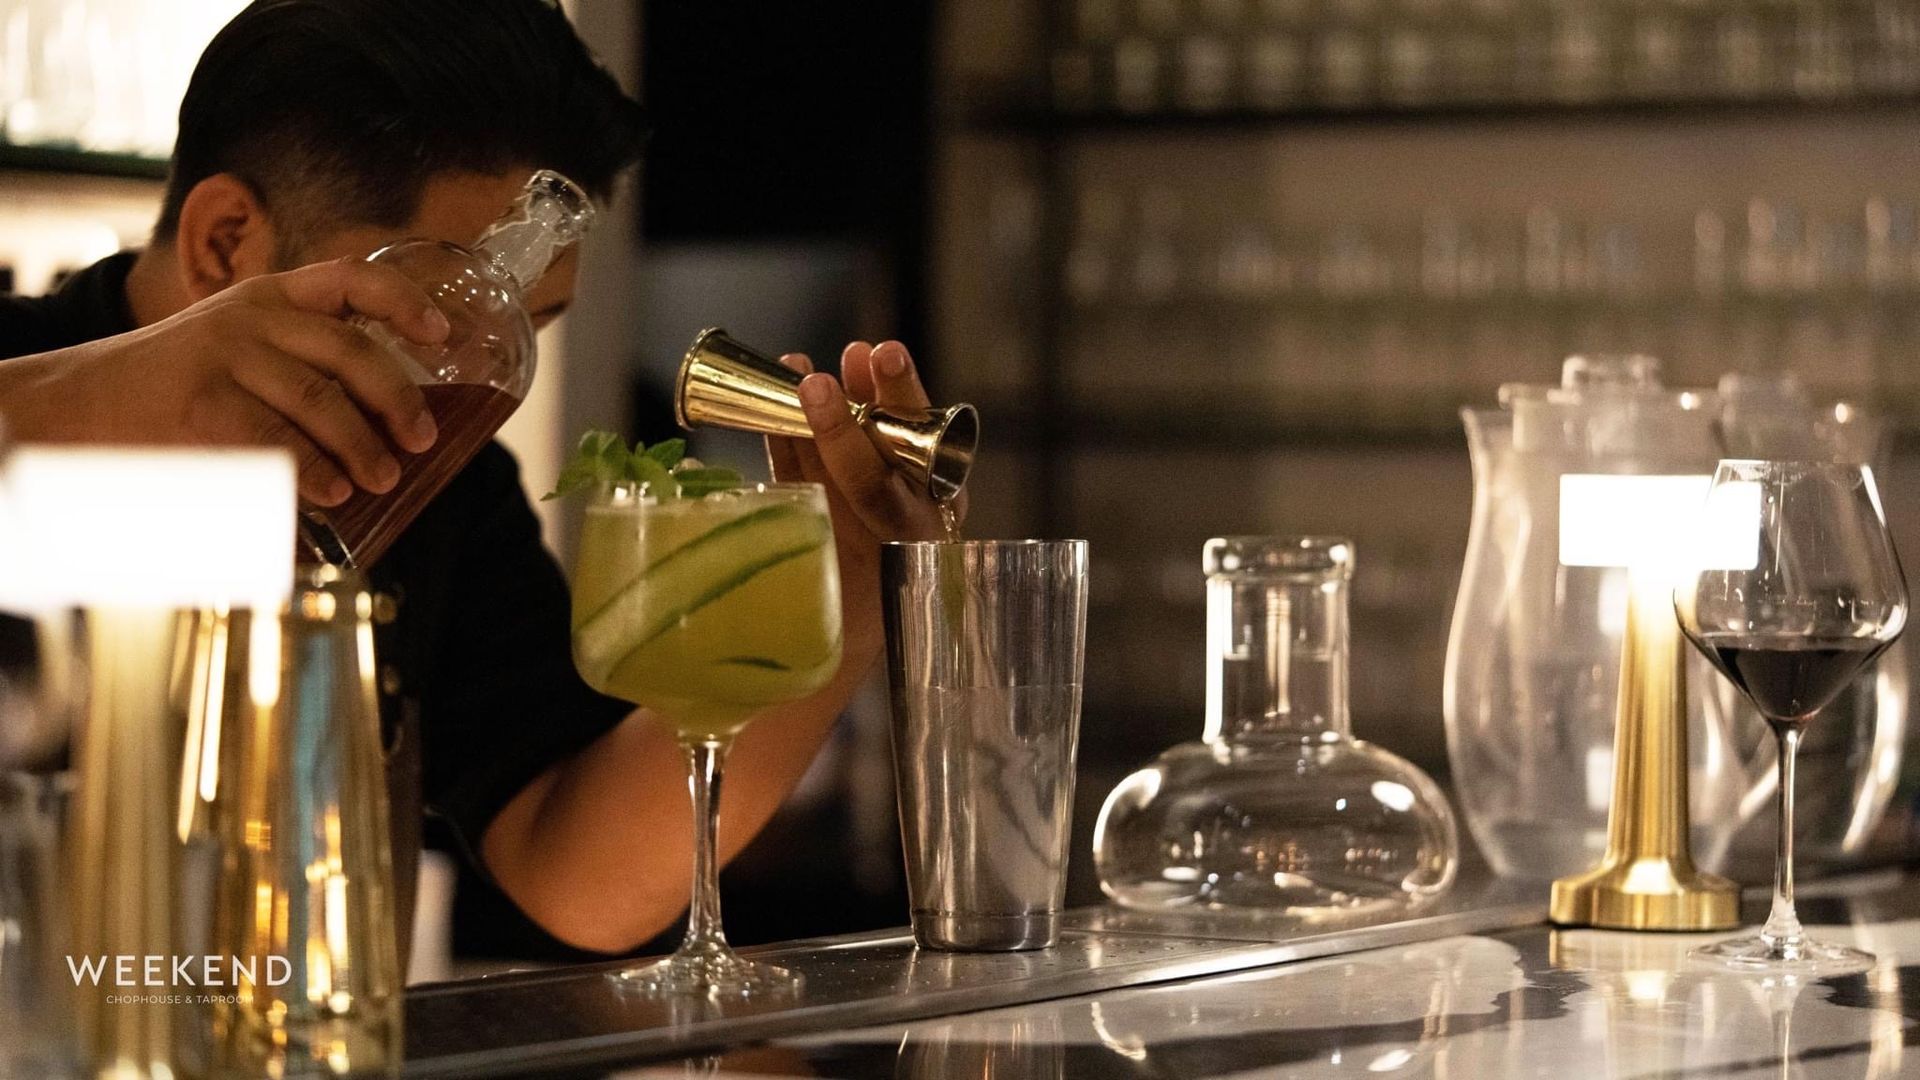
1278	807
473	380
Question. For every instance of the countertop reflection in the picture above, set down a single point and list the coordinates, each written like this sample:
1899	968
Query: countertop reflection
1534	1002
576	1018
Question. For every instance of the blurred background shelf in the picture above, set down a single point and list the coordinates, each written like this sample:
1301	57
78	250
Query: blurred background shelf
1219	424
1012	117
1233	266
1233	426
73	161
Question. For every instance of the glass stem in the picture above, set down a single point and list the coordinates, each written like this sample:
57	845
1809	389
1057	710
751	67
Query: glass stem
1783	923
706	756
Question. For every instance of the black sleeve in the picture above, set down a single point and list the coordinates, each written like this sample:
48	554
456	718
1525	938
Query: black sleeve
503	701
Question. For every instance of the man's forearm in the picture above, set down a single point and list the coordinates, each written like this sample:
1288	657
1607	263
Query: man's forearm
599	850
62	396
24	391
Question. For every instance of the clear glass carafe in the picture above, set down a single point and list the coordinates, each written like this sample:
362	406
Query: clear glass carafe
1533	656
477	377
1278	807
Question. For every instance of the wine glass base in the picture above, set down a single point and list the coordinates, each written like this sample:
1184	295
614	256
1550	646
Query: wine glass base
1762	954
708	974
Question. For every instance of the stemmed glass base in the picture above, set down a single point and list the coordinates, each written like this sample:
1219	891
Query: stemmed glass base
1782	945
705	965
1766	953
710	969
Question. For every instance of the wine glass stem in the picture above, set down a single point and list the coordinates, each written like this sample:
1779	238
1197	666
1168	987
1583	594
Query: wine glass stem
706	755
1783	924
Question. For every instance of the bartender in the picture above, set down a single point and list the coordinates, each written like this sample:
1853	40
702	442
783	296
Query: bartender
313	133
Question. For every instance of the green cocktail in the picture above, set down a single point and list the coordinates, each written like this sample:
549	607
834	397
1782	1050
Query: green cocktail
708	609
705	606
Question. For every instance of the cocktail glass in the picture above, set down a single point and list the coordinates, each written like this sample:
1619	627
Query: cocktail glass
707	610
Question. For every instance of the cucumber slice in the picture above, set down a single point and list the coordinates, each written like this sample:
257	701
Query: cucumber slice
764	663
758	687
692	576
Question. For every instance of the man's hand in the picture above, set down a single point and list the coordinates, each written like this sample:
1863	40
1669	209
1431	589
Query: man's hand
270	361
872	500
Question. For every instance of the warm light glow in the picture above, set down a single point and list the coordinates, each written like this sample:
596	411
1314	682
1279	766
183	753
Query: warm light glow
206	655
1728	537
1640	522
319	972
1396	797
1660	527
339	944
263	664
263	929
215	705
196	712
146	528
1648	987
1392	1061
1130	1047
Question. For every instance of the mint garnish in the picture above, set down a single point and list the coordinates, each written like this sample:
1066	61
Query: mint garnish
668	454
704	481
663	470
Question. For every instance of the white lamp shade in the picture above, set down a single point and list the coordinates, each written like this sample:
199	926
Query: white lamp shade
145	528
1660	524
1632	521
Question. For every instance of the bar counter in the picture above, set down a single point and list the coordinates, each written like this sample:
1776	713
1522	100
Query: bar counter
1476	986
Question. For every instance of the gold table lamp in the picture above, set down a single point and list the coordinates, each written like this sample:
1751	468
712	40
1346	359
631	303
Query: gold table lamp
133	536
1646	880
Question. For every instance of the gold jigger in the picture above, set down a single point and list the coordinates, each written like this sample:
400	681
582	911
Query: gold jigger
723	383
1647	880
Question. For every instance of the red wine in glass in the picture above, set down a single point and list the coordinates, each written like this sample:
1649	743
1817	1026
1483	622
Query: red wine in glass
1787	677
1798	589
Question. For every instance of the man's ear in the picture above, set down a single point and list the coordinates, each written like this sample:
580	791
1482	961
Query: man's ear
225	236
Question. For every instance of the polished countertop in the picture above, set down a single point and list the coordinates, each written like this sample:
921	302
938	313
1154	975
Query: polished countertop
1480	988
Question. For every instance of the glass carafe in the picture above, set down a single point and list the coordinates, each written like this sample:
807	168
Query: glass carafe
1533	657
1278	807
475	379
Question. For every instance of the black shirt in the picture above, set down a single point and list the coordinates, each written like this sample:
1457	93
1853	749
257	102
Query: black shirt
478	690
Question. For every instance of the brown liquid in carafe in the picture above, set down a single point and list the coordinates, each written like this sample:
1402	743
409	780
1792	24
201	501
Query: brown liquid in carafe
367	524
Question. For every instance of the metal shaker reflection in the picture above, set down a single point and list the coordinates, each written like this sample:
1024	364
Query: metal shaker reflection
985	642
1011	1045
284	815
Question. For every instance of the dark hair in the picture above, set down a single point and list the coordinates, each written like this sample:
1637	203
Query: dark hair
338	112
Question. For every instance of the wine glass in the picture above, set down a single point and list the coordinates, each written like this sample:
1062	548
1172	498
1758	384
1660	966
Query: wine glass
1797	589
707	610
